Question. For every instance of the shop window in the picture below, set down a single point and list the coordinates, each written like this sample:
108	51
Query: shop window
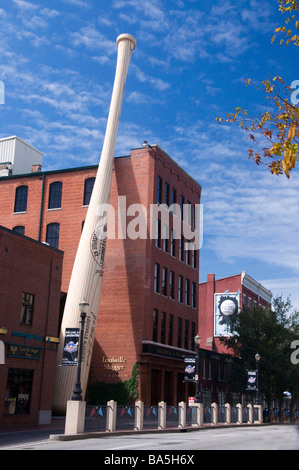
21	199
27	308
55	195
18	392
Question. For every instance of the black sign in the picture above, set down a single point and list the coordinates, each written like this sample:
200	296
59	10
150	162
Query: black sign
70	349
189	371
24	352
251	380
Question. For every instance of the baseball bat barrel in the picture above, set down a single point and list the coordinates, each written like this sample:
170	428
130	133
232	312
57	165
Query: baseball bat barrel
87	274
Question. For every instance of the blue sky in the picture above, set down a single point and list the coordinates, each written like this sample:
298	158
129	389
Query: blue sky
190	66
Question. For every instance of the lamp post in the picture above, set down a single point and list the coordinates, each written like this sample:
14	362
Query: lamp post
197	340
257	360
77	393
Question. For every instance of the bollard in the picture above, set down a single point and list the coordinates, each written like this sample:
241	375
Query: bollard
182	414
162	415
239	411
214	409
227	413
75	417
111	415
139	408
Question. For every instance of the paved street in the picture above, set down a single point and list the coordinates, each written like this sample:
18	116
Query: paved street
276	437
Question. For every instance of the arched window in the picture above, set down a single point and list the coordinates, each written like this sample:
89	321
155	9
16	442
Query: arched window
52	236
88	187
19	229
21	199
55	195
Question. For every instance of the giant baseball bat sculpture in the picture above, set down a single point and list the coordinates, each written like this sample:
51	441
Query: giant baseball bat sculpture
86	279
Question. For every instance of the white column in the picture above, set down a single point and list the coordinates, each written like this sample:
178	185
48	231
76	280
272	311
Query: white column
88	269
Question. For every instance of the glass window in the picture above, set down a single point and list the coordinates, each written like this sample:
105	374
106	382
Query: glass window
171	284
88	187
155	324
194	294
159	190
187	295
18	392
21	199
170	329
166	196
55	194
52	236
186	334
163	327
180	332
164	281
180	289
27	308
19	229
157	278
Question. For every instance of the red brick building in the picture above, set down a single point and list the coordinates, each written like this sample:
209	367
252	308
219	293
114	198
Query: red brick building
219	298
30	286
149	303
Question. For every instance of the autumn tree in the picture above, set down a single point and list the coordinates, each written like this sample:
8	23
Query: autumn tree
275	133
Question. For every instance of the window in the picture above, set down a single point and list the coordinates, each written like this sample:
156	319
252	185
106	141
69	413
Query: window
52	236
173	199
192	336
172	243
163	327
186	334
180	321
181	248
188	214
21	199
180	289
170	329
27	308
164	281
165	238
19	229
88	187
55	194
187	295
193	294
155	324
158	233
166	195
182	201
159	190
171	284
157	278
18	392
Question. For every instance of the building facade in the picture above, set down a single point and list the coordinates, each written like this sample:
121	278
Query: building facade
218	298
149	303
30	283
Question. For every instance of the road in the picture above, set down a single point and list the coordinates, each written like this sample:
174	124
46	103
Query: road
274	437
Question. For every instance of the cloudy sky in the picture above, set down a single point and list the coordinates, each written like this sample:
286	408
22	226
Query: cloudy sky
190	66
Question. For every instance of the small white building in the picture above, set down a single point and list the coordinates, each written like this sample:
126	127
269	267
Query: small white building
17	157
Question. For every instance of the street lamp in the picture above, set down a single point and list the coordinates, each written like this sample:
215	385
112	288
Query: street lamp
77	392
257	360
197	340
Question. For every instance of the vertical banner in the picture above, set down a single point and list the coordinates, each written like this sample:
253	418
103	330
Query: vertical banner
189	371
251	380
70	348
224	306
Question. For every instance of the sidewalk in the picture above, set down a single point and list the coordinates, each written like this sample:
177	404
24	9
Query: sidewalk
57	424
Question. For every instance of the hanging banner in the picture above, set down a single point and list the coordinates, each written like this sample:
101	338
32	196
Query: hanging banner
70	348
224	306
251	380
189	371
